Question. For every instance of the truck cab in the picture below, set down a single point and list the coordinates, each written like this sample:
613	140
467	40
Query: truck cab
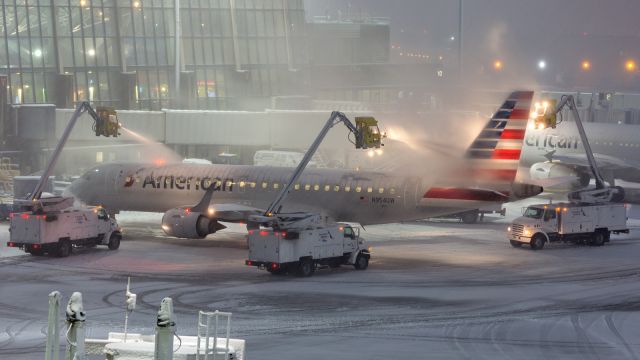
567	222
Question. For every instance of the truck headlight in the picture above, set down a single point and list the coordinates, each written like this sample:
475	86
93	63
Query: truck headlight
527	232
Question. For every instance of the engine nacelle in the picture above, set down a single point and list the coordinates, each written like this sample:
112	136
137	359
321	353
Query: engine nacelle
184	223
523	191
549	170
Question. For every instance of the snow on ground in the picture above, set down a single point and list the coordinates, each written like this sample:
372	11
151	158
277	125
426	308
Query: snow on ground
440	289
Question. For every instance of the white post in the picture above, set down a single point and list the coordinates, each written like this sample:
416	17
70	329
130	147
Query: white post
75	331
166	327
52	351
130	300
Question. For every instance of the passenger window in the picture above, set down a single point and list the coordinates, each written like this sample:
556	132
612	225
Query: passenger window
336	188
276	185
229	184
347	188
316	187
296	187
264	185
358	188
253	185
381	190
327	188
307	187
242	184
392	191
369	189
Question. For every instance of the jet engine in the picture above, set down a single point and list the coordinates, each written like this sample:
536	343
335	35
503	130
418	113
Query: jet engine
523	191
184	223
549	170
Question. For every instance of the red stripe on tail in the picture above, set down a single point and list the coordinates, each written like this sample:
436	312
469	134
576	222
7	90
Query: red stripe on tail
506	154
512	134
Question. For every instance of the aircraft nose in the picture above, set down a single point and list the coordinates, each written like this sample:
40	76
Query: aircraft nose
77	189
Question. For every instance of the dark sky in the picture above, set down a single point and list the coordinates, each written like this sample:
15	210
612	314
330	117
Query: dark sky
564	32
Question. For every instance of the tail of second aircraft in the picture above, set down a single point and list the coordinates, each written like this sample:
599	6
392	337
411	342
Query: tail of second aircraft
493	157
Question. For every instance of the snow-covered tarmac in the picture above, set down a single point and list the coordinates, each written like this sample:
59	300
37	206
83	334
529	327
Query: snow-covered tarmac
437	290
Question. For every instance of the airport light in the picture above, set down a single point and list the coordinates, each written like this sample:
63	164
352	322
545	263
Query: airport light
498	65
630	65
91	52
542	64
586	65
37	53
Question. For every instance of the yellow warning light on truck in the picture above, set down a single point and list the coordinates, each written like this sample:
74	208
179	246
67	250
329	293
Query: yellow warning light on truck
106	122
368	135
544	115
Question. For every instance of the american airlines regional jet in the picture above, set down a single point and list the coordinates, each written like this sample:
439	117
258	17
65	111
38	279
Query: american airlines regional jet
364	197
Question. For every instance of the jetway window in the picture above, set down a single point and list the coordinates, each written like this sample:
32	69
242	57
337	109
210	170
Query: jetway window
264	185
327	188
392	191
316	187
381	190
307	187
242	184
336	188
252	185
347	188
207	183
369	189
276	185
296	187
358	189
229	184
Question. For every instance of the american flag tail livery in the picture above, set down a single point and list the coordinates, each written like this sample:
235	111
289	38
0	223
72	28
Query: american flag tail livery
493	157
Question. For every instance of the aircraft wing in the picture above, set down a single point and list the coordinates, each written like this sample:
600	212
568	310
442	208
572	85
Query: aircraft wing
234	212
622	169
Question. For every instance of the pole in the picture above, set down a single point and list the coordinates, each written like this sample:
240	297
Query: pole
177	52
165	328
460	37
52	350
75	328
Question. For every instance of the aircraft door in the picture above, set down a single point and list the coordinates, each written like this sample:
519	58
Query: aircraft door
411	192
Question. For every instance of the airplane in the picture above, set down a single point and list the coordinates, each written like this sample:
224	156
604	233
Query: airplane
553	153
487	176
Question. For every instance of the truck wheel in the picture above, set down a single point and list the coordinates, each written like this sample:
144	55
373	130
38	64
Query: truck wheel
306	268
362	262
597	239
470	217
537	242
64	248
515	244
114	242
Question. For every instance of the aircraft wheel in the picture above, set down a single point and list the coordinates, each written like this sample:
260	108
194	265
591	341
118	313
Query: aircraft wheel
470	217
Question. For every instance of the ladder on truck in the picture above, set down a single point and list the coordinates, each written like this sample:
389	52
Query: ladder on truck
208	328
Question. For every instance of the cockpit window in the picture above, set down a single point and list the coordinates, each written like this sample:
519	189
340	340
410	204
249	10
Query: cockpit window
534	213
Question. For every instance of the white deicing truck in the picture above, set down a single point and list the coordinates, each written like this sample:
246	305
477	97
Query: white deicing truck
300	242
567	222
52	224
311	242
590	216
57	232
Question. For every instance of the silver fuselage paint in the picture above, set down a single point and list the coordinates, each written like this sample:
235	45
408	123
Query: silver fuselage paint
621	141
372	197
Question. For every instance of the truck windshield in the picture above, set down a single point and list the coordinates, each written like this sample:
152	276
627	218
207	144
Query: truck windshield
534	213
